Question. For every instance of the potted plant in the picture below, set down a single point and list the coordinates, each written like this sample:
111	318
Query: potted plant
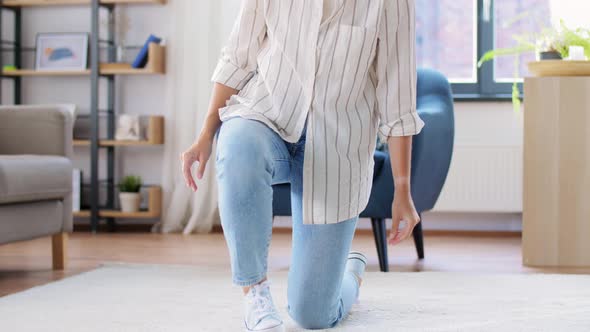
549	44
129	196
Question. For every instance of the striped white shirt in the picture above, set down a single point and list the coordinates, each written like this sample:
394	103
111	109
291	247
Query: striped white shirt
351	73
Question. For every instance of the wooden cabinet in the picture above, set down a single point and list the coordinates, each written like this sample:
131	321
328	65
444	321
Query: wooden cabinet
556	202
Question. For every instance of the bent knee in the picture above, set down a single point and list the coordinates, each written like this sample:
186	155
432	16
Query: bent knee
312	316
243	158
241	152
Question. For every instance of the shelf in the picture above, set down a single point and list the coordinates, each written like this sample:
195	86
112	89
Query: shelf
156	65
119	214
154	209
82	214
32	3
152	196
154	135
115	143
32	72
155	2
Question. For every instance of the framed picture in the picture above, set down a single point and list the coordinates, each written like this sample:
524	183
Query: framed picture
61	51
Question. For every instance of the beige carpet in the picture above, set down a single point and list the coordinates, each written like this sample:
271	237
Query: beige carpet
144	298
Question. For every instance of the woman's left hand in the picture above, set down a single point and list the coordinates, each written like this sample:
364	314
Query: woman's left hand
402	209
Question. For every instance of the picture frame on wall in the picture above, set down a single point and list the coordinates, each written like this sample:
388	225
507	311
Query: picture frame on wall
61	51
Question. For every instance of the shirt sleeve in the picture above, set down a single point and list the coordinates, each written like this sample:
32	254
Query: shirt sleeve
395	68
237	63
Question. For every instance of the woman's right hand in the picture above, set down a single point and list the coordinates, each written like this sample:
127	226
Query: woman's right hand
198	152
201	150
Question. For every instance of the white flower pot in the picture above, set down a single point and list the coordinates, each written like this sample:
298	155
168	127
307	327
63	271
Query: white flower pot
129	202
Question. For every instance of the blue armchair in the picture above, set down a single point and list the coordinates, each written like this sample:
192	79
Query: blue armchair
431	158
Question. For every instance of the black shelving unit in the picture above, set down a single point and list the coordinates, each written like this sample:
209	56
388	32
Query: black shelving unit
96	45
15	47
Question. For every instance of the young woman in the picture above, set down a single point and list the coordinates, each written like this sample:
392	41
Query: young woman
301	91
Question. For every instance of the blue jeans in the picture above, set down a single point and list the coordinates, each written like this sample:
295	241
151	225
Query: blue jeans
250	159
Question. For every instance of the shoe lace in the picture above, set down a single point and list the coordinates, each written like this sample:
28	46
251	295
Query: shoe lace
262	302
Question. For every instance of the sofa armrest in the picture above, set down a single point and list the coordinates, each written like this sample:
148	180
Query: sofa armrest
41	130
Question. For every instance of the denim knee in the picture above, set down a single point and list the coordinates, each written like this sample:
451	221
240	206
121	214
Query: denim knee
314	315
241	160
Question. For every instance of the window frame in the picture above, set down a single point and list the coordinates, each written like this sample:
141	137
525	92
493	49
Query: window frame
486	88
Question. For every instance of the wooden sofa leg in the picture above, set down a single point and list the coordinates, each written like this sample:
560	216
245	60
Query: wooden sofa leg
59	244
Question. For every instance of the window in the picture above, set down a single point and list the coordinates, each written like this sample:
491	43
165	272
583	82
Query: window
517	17
453	34
446	33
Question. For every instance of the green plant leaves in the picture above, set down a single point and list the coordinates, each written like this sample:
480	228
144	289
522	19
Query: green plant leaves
549	39
130	184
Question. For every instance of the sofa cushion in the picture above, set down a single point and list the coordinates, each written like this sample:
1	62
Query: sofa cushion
28	178
26	221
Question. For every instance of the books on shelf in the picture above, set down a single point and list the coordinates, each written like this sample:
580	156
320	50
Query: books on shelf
142	58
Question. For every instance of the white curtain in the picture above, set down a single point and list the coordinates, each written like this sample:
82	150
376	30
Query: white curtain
198	31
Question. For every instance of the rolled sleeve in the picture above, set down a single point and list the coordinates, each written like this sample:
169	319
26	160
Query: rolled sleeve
395	68
238	61
409	124
231	75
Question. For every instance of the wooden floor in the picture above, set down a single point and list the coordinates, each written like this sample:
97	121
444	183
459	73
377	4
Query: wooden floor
28	264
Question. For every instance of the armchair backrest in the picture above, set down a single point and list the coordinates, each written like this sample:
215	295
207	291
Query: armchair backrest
433	147
433	84
39	129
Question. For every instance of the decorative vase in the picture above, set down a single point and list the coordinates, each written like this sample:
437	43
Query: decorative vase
550	55
129	202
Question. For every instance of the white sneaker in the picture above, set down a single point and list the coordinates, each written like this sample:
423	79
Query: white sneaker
260	311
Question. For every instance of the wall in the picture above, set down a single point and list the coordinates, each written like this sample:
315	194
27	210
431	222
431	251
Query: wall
483	191
486	170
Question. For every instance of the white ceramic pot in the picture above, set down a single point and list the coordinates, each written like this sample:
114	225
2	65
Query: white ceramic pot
129	201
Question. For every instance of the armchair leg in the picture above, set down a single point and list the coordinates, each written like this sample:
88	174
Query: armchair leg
59	243
379	231
419	239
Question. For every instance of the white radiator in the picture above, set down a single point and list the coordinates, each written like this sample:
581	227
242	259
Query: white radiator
483	179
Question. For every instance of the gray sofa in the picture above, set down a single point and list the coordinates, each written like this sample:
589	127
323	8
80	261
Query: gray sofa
36	175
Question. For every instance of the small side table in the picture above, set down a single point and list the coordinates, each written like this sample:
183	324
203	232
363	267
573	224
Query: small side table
556	202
